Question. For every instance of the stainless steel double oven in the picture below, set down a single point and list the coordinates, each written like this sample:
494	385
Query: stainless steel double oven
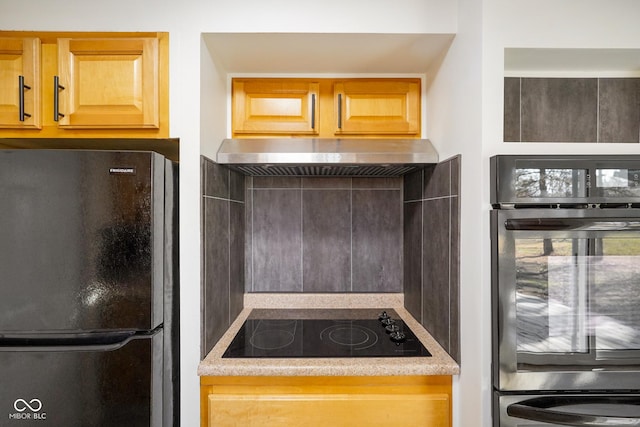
565	248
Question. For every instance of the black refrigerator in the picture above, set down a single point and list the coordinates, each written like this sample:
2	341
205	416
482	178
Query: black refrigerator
88	289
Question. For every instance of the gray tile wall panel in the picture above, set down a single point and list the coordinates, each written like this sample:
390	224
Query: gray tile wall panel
216	271
436	269
432	230
412	259
619	110
413	185
236	258
216	180
377	241
223	245
572	110
454	281
328	229
326	241
437	180
559	109
277	240
511	109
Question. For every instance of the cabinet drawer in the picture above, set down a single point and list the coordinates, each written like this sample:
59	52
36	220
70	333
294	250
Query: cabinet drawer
313	410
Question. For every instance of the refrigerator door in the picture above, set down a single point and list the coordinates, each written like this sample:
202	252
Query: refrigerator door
104	386
81	240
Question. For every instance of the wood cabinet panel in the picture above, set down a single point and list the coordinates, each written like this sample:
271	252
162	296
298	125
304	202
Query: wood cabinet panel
116	85
275	106
20	83
319	410
378	107
110	83
326	108
320	401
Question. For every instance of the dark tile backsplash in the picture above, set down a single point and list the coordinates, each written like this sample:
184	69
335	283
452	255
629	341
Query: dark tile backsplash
431	262
324	235
572	109
223	225
619	110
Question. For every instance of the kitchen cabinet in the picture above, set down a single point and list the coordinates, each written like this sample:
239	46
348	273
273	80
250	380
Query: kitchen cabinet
275	106
326	108
84	85
20	83
423	401
377	107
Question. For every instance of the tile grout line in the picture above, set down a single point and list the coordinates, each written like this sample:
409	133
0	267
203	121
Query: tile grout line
351	234
422	303
520	109
301	237
449	255
597	110
229	246
253	238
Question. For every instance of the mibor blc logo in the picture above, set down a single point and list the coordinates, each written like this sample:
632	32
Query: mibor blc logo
28	410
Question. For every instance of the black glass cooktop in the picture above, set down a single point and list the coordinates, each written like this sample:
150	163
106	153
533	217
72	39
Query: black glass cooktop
324	333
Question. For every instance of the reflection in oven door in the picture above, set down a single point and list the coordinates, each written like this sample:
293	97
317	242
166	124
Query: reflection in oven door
568	299
565	247
566	410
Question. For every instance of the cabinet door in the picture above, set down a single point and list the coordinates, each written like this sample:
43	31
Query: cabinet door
377	107
275	106
20	83
318	410
108	83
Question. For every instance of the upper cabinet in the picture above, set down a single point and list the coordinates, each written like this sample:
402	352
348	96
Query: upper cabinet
326	108
107	83
377	107
84	85
275	106
20	83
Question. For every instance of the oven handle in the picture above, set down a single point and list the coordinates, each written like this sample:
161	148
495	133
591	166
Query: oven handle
541	409
576	224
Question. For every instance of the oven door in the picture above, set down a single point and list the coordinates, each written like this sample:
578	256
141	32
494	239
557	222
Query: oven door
566	410
566	299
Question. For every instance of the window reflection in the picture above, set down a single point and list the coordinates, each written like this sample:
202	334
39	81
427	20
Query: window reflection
542	182
565	298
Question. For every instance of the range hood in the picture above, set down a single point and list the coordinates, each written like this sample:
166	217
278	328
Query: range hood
326	156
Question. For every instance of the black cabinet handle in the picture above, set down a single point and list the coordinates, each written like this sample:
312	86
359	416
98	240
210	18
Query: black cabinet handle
339	111
21	88
313	111
56	98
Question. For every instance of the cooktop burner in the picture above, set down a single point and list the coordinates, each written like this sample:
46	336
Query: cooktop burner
324	333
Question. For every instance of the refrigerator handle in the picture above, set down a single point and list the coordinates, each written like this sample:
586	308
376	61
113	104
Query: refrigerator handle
94	341
546	410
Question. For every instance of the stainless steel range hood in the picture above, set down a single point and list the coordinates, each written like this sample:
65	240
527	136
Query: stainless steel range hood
326	157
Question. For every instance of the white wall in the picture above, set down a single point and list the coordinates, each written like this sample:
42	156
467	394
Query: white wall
454	116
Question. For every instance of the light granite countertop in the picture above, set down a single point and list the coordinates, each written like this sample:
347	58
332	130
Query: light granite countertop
440	363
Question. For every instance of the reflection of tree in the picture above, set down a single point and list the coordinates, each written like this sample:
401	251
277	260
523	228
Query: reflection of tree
541	182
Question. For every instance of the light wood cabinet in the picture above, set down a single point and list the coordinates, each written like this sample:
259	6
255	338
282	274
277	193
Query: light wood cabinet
275	106
20	83
108	85
423	401
378	107
326	108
